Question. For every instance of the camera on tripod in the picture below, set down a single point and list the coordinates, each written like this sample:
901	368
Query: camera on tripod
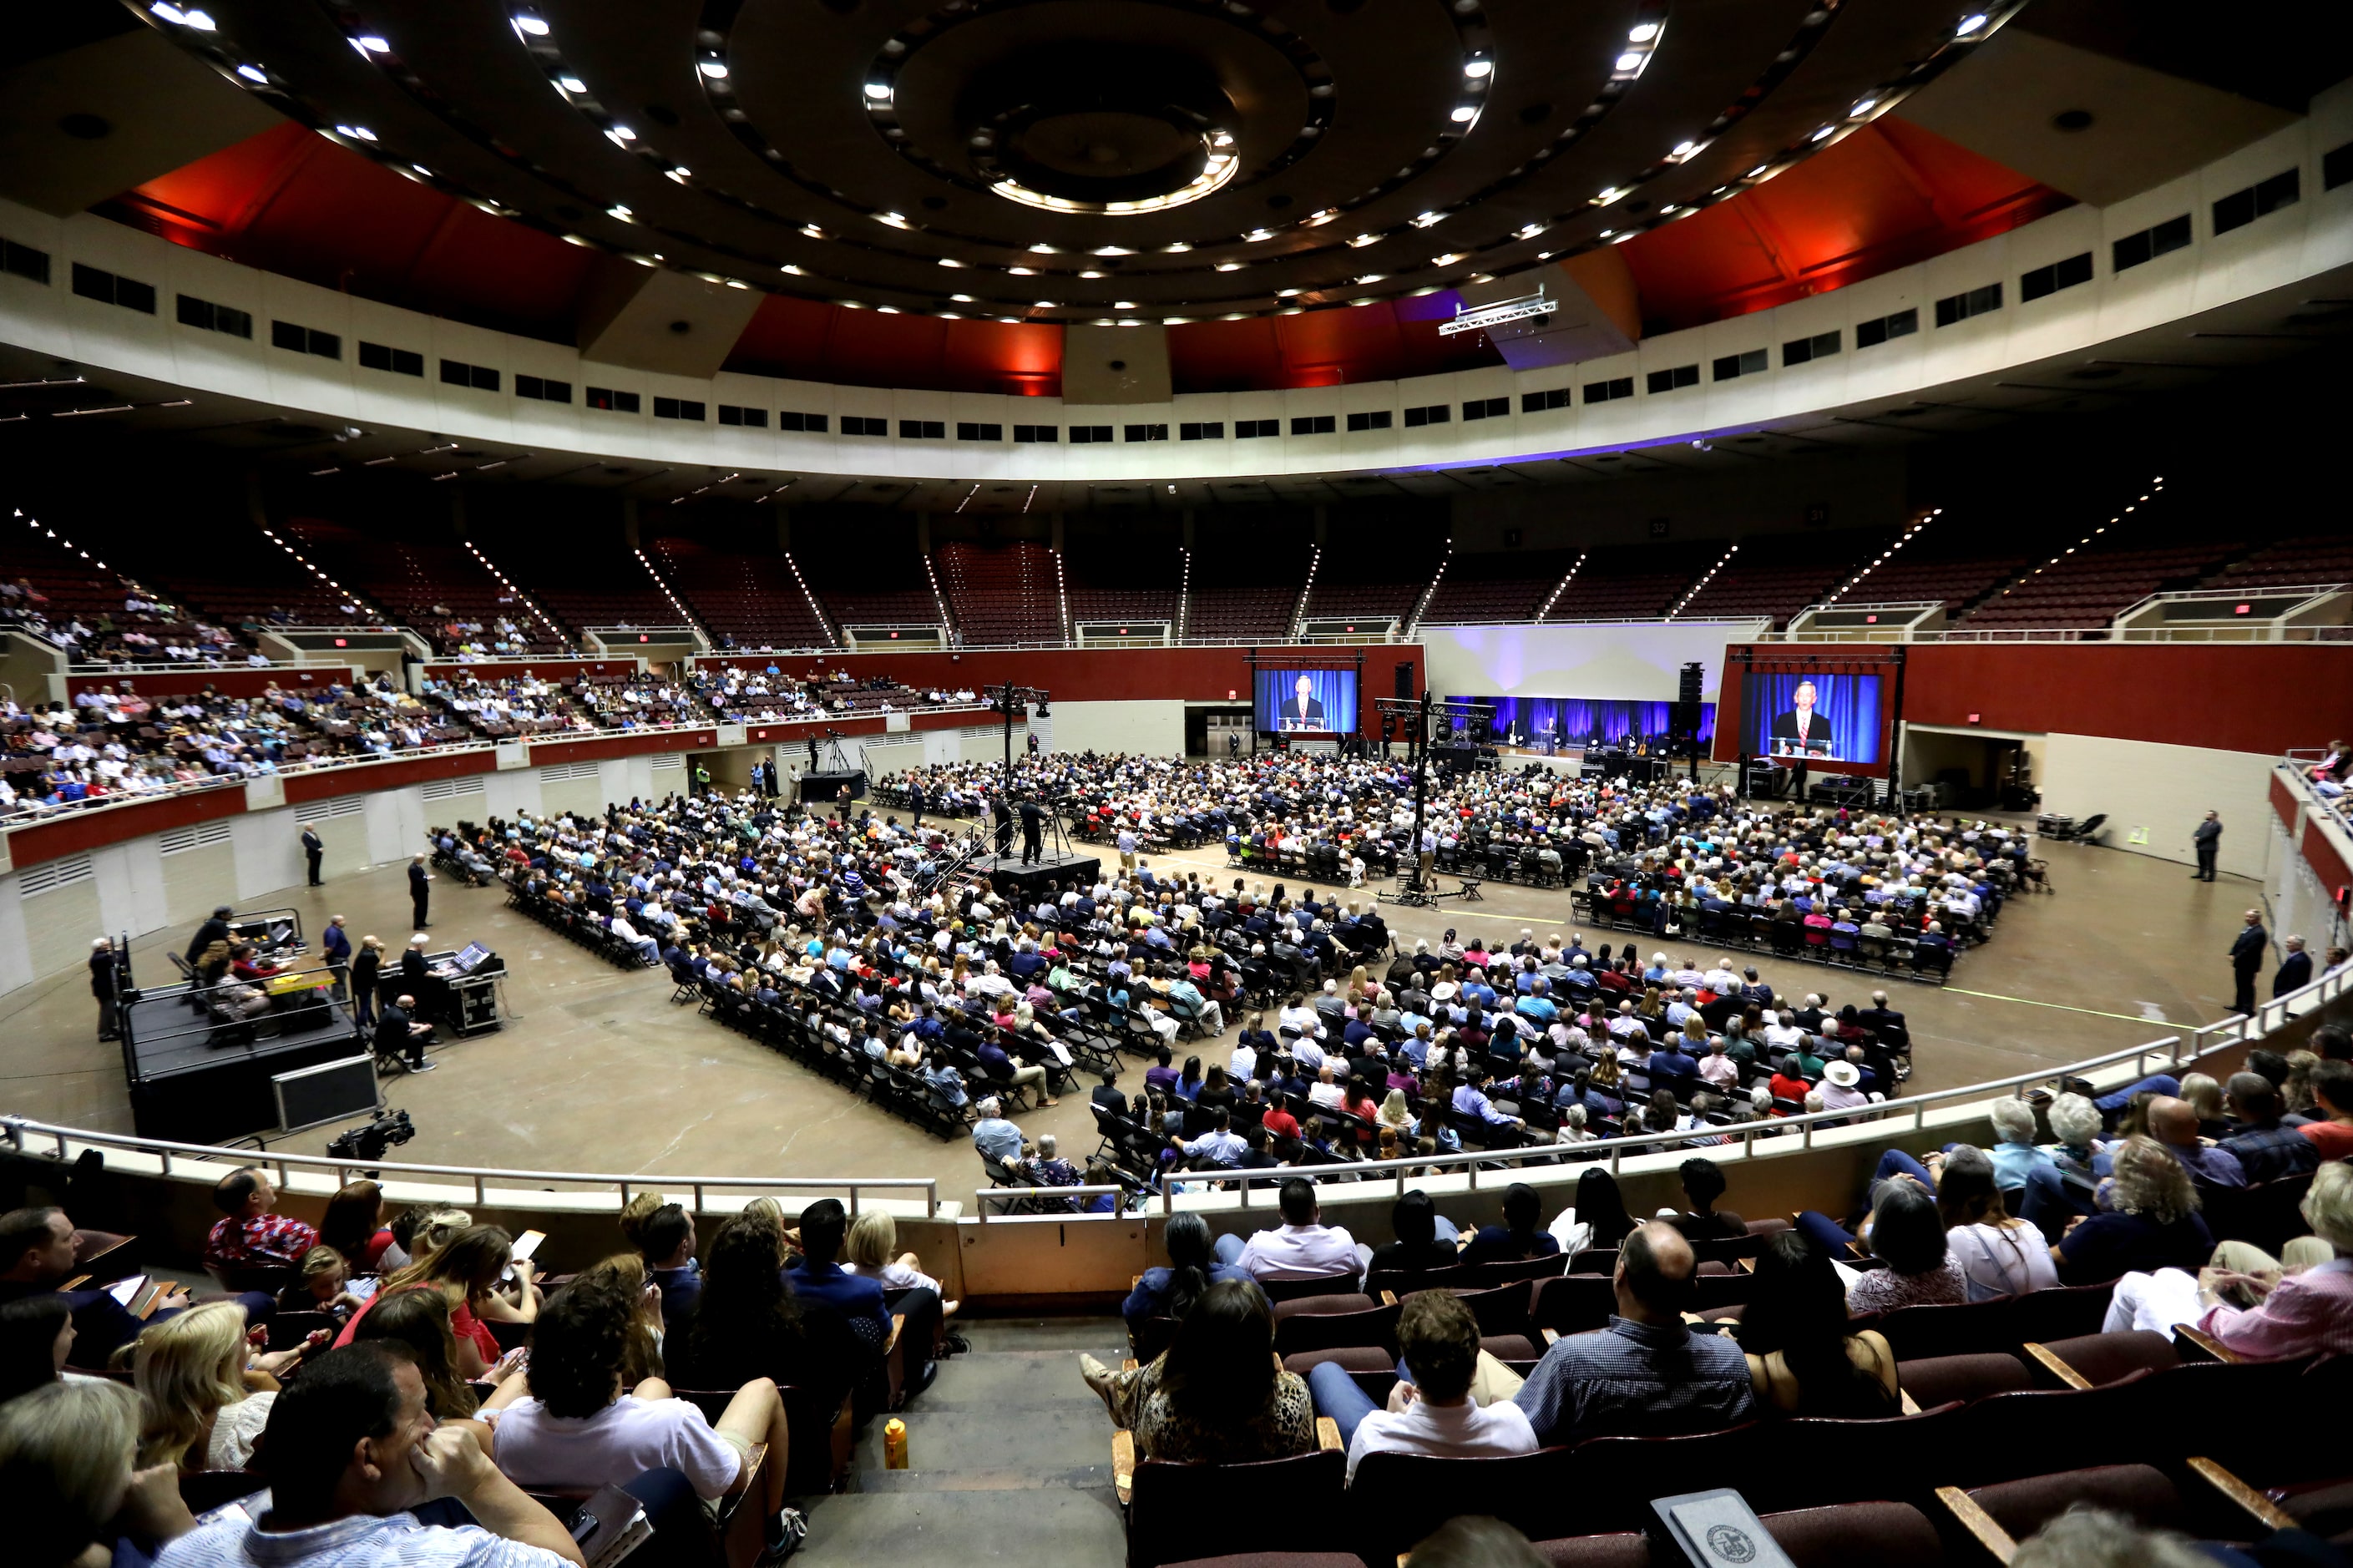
369	1143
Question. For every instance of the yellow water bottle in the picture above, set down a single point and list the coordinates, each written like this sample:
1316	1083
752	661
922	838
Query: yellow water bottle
894	1445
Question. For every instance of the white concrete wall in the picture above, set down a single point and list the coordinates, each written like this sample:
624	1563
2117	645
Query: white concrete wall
1636	663
2164	790
1152	729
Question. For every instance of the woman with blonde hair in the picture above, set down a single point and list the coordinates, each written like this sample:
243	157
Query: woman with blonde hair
872	1250
419	1233
67	1456
466	1272
634	1214
2151	1220
1395	1115
195	1409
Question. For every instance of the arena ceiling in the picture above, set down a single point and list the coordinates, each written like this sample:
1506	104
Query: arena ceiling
923	192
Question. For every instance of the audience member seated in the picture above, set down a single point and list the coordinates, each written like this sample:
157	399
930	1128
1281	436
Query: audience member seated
666	1238
254	1235
1437	1345
68	1486
1302	1247
351	1456
750	1323
817	1276
1998	1256
2255	1305
37	1247
419	1320
571	1422
1646	1374
1805	1357
204	1397
2266	1150
469	1271
1703	1184
2149	1220
1192	1268
1918	1268
1597	1220
1521	1236
1217	1395
1426	1239
353	1226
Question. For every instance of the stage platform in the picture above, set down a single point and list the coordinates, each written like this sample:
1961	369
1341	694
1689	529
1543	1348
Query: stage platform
1006	874
197	1082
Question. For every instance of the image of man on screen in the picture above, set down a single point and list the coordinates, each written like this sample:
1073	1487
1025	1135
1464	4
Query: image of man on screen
1801	729
1302	711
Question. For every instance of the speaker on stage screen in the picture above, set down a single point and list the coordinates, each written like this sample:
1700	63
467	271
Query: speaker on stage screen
1306	701
1823	718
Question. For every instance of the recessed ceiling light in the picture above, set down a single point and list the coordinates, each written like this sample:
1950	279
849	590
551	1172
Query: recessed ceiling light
1642	32
1425	219
1179	248
1048	305
1258	234
1630	60
1289	293
369	44
619	211
1112	250
737	283
887	309
571	84
961	298
715	69
1363	239
526	23
1122	304
878	91
1465	112
1529	231
1449	259
1614	193
1023	271
1973	23
789	267
950	261
681	173
253	73
200	21
1860	109
893	219
357	133
1683	150
1229	267
1478	67
1091	274
622	134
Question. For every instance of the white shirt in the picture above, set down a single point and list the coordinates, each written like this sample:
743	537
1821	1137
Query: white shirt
1446	1431
1303	1250
617	1445
360	1542
2002	1260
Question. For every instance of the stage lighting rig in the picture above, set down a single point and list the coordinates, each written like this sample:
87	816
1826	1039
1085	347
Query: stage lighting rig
1413	716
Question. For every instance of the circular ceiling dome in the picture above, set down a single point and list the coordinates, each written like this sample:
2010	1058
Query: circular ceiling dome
1098	124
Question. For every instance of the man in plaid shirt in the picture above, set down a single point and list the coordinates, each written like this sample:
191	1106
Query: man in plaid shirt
252	1237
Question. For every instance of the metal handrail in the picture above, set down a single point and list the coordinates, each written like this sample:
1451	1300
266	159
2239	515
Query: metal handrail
18	1128
984	1196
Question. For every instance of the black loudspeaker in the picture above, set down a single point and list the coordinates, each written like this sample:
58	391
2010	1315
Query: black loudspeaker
1405	680
1692	679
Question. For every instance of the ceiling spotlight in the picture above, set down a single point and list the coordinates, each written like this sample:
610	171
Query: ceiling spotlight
1229	267
1614	193
1048	305
197	20
1476	68
1363	240
1222	139
950	261
1529	231
1449	259
168	13
1425	219
571	84
715	69
1043	249
619	211
1176	249
1823	134
253	73
1122	304
1683	150
1973	23
1023	271
1465	112
622	134
681	173
357	133
893	219
526	23
1112	250
1258	234
1289	293
789	267
1091	275
1642	33
1860	109
371	45
878	91
1630	60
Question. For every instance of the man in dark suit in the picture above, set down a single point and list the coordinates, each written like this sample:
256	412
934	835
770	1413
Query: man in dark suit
394	1035
212	931
1033	832
915	802
2295	970
420	894
1003	814
314	849
1303	710
2207	838
1802	723
2246	959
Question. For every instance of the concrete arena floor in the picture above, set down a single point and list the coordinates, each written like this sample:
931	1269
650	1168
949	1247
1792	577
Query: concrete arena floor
596	1070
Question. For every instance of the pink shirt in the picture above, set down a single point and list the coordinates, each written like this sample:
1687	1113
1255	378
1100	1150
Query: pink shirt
2306	1313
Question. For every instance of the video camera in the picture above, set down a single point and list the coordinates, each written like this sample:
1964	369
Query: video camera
369	1143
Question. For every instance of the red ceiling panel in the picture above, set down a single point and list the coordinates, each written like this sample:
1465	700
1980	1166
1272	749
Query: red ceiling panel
292	202
1886	196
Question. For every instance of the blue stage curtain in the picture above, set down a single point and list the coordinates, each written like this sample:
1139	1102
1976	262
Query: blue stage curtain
1617	722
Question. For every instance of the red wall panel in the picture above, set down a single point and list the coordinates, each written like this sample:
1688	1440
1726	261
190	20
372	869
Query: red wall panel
2282	803
546	669
622	746
2322	857
87	829
241	682
361	780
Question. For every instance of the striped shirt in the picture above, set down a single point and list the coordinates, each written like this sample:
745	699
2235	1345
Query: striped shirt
1637	1380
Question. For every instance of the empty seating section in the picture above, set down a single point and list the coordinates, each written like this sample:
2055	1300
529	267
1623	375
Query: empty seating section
1624	583
246	579
1003	593
1375	569
1248	573
754	599
863	579
1918	575
1113	579
2300	560
1489	587
587	583
1776	578
440	591
2093	584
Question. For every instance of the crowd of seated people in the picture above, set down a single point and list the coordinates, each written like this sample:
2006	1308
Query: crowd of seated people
1670	856
635	701
505	707
501	637
766	694
147	630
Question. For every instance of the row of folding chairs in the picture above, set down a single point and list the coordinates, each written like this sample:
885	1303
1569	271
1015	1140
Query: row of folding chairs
578	927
